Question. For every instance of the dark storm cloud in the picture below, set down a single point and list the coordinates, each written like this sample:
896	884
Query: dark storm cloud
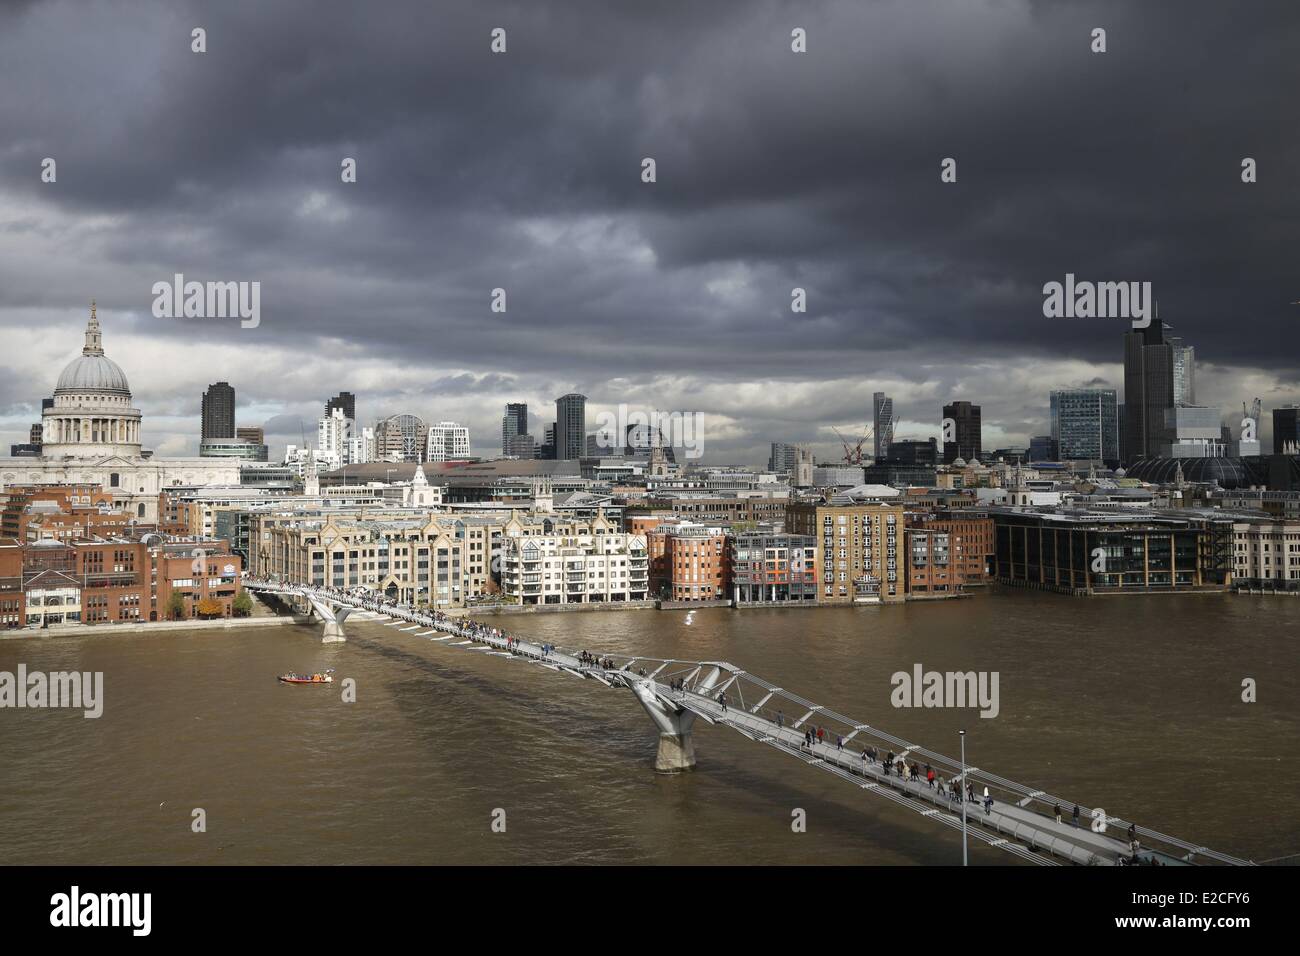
521	171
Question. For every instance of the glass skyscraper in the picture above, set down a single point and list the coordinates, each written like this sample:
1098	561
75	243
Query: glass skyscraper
1085	424
884	424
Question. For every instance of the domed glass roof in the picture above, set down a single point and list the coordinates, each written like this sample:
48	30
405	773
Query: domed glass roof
97	373
1227	473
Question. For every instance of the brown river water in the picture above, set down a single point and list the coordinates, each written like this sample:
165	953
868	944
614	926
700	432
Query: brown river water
1131	704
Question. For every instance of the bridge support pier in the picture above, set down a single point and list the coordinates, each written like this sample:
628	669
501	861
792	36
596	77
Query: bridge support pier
333	633
333	618
676	753
676	742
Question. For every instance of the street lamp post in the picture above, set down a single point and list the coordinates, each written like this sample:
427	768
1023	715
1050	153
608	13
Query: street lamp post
962	797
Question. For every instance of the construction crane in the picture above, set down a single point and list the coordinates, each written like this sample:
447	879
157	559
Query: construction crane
852	453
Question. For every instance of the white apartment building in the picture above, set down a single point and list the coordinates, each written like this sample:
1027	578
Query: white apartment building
575	568
333	432
1266	554
360	448
448	441
441	560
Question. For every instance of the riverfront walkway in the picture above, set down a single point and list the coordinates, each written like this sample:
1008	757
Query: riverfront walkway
1020	820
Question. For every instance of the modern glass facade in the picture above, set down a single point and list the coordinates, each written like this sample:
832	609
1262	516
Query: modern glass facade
1085	424
1087	553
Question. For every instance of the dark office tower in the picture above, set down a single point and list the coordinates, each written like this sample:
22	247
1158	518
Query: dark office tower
1286	430
1043	448
920	454
570	426
782	458
514	424
219	411
1148	391
884	424
344	400
968	445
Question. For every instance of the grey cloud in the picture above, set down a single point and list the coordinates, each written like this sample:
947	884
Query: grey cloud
775	170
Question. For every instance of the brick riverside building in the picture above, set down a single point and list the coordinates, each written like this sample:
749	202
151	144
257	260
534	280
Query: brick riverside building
948	552
859	550
107	581
17	499
698	563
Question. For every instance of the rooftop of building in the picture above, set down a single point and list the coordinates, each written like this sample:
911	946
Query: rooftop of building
1092	516
457	471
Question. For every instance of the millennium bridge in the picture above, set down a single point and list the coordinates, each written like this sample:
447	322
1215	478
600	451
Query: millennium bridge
676	693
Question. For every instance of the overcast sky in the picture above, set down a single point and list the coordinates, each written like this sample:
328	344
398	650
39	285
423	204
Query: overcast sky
522	170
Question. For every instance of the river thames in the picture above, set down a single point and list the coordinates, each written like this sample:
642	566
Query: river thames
1130	704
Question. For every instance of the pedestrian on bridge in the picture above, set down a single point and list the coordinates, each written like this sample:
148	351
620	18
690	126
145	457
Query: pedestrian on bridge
839	742
988	802
1057	811
821	734
1076	814
780	719
722	699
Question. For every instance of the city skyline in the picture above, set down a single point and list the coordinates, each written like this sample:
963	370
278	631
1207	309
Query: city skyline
826	450
673	295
